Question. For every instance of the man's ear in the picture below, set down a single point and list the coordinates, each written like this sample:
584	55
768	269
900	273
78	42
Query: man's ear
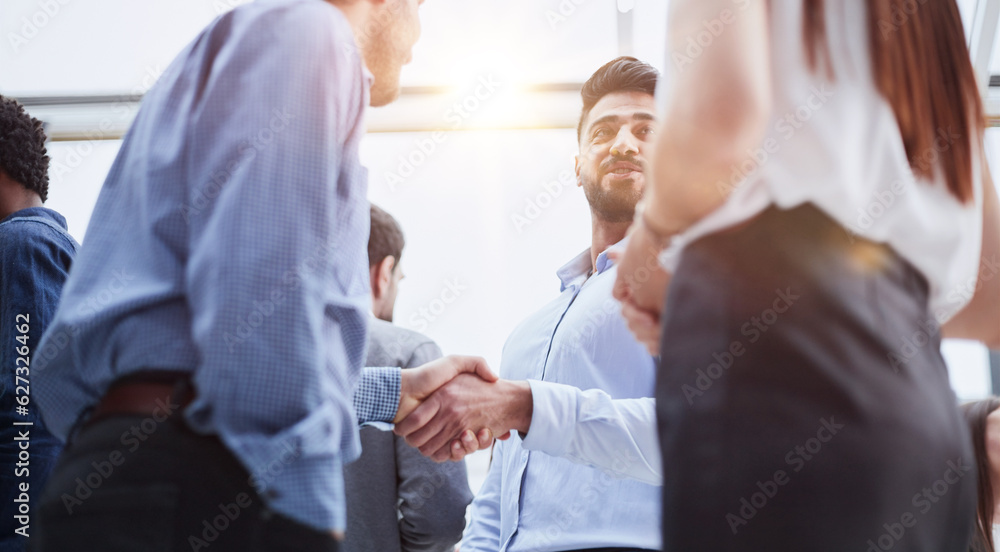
373	281
382	274
576	168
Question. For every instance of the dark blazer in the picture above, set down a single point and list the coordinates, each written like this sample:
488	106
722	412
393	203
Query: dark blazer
398	500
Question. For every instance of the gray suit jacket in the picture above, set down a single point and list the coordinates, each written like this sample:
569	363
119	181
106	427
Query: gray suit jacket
398	500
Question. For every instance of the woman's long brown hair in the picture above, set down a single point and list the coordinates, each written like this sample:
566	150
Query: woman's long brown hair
921	66
975	415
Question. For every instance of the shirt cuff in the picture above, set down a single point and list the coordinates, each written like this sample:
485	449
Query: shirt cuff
376	398
553	418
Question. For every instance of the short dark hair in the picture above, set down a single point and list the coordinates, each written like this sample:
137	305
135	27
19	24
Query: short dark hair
622	74
385	239
22	148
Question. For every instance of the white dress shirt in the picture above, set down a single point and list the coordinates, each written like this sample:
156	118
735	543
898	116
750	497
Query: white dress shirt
837	144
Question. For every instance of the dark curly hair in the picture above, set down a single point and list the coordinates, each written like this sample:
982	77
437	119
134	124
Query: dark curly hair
622	74
22	148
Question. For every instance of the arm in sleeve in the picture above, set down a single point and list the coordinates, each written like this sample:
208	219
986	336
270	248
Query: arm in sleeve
377	395
34	264
433	497
483	531
276	277
589	427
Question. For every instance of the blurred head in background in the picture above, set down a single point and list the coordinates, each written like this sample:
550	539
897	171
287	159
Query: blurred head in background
24	164
385	247
983	418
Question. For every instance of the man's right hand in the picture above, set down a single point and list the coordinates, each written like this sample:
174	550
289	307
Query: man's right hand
441	428
418	383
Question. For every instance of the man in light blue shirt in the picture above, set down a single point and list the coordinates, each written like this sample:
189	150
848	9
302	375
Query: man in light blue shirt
224	277
538	502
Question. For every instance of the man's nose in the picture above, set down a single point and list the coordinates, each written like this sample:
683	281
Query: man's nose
625	143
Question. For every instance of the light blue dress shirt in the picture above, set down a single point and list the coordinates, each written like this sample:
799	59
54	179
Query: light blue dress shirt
538	502
590	427
230	240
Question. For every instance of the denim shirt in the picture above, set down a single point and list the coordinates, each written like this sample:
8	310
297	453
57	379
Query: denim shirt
35	255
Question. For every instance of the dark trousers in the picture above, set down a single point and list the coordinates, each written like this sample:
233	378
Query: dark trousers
131	484
802	400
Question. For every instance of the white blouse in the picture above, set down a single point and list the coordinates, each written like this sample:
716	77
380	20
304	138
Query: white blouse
837	145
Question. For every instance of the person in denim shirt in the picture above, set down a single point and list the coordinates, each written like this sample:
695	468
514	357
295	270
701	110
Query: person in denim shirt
35	256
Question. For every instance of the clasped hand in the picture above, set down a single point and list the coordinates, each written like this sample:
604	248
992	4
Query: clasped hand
455	405
641	286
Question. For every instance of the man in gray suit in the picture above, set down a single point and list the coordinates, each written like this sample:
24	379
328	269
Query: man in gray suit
398	500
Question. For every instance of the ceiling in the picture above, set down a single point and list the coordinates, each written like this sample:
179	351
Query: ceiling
84	67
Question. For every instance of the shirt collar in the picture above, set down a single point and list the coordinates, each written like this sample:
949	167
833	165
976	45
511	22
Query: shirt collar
577	270
42	212
365	73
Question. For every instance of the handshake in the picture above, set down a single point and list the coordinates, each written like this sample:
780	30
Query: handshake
455	405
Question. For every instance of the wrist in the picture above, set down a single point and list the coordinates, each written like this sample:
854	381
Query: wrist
407	402
647	221
519	405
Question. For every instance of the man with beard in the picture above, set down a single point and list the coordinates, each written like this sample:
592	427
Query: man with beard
534	501
204	356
